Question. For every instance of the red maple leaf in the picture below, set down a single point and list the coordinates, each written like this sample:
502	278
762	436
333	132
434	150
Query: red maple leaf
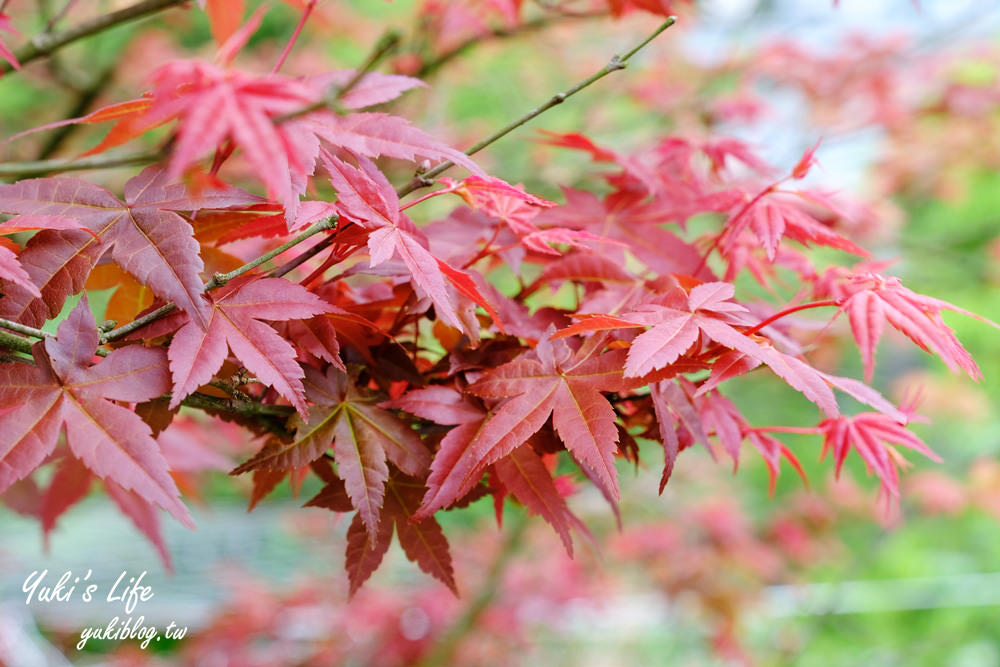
551	380
709	312
363	438
64	392
366	197
522	472
870	300
144	234
871	435
234	322
422	541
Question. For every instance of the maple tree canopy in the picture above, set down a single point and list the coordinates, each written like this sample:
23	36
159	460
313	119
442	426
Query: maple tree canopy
276	267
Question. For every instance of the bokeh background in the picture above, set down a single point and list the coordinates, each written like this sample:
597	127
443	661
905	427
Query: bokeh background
906	99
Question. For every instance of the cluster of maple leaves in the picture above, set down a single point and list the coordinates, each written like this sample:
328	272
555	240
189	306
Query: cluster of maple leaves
393	369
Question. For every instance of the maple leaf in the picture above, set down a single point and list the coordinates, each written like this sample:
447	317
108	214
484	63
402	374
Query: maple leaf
633	168
438	404
524	474
144	235
499	199
371	89
632	221
870	300
363	438
718	151
871	434
213	104
422	541
379	134
12	271
550	381
772	217
224	18
709	311
70	484
144	516
63	392
365	196
234	323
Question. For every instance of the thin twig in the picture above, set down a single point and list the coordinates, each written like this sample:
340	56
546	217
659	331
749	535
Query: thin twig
43	167
306	255
220	279
385	44
616	63
50	25
46	43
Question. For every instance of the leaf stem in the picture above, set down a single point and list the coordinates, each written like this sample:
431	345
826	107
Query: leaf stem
295	36
616	63
789	311
298	260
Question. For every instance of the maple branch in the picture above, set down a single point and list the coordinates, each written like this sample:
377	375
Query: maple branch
220	279
25	330
235	405
46	43
43	167
616	63
13	342
272	417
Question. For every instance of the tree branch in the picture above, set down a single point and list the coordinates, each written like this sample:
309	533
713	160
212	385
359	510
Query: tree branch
46	43
14	342
24	330
616	63
271	417
220	279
